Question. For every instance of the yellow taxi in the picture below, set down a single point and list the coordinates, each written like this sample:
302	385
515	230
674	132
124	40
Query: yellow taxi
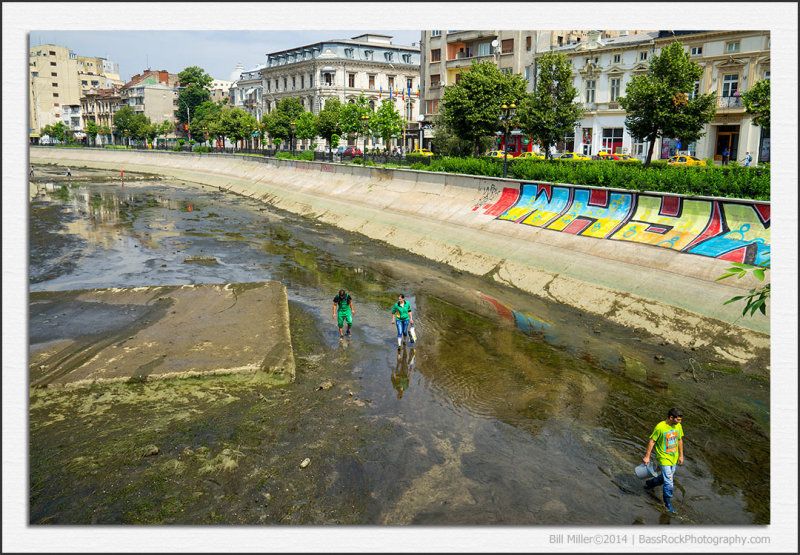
685	160
498	154
532	155
422	152
573	156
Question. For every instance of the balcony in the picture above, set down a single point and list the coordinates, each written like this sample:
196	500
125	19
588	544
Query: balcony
462	36
729	102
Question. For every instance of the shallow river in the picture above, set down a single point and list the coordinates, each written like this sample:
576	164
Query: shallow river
508	409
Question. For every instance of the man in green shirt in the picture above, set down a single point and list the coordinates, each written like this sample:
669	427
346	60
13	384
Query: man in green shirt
667	438
343	308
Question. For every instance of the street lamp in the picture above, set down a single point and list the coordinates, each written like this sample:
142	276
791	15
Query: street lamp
507	113
365	125
293	124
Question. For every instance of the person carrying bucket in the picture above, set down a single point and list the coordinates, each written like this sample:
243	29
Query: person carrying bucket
667	438
402	317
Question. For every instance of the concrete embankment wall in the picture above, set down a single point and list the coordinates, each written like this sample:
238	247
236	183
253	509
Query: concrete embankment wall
643	260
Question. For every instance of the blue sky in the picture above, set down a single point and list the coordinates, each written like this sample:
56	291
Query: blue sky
217	52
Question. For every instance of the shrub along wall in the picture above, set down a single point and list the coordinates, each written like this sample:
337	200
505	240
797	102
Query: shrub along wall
729	182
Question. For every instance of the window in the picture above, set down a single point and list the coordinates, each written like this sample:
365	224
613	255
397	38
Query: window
84	83
436	55
55	95
55	84
95	83
484	49
52	63
53	74
436	33
52	53
617	58
561	41
302	81
389	56
590	85
697	51
348	52
328	79
351	79
458	78
766	75
528	43
285	83
527	73
730	84
294	82
35	73
391	82
507	46
695	91
732	46
433	107
435	80
277	87
371	81
613	85
505	70
642	56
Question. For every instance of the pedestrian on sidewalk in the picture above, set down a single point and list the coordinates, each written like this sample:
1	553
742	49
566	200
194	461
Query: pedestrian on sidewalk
667	438
747	160
726	155
343	311
402	317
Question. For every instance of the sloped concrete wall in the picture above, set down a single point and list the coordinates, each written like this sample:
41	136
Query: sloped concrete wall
640	259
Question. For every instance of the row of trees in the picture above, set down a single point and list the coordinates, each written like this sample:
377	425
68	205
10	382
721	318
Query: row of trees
658	103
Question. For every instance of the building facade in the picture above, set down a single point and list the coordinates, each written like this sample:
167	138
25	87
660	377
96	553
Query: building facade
731	62
55	93
100	106
445	55
369	65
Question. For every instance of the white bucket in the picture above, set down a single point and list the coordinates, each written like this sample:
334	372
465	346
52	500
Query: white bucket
644	471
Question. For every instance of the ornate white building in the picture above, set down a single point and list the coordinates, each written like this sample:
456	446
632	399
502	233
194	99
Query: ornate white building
368	64
732	61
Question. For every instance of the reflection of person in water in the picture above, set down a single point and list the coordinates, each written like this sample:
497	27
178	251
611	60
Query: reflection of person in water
402	371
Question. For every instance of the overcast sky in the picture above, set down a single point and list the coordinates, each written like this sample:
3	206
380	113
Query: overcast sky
217	52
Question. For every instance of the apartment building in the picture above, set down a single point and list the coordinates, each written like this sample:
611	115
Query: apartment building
445	55
100	106
153	93
58	79
731	61
220	90
246	93
55	92
368	64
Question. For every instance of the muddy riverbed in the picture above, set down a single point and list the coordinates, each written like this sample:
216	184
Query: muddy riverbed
508	410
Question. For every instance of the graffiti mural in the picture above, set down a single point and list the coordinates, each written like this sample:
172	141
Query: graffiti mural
735	231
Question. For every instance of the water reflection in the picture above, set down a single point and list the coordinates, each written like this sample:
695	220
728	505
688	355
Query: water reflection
402	370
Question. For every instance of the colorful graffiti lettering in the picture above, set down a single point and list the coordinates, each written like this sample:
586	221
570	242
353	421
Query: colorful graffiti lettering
735	231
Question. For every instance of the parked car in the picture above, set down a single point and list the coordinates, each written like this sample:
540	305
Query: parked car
685	160
573	156
352	151
422	152
532	155
498	154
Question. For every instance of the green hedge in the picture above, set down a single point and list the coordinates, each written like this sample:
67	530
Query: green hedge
730	181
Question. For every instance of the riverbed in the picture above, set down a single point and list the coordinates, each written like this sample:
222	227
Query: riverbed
507	410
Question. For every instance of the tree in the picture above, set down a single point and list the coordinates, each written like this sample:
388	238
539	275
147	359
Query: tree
328	123
92	130
756	102
757	298
387	121
471	107
125	122
206	116
351	116
233	123
551	112
58	131
194	83
306	127
447	143
277	122
658	105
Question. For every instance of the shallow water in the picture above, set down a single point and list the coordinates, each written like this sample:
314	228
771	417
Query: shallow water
508	410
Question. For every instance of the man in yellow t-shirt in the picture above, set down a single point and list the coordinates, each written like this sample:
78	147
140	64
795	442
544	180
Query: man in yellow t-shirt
667	438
